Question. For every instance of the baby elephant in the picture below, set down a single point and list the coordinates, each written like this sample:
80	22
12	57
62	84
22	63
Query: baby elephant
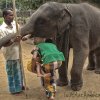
74	24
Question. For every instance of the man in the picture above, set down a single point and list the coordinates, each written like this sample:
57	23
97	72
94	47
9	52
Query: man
11	53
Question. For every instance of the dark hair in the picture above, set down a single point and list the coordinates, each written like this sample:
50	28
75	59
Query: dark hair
49	41
6	11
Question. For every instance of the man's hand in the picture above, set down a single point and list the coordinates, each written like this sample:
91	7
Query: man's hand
26	37
18	38
10	42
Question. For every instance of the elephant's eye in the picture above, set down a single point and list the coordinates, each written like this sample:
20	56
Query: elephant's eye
41	21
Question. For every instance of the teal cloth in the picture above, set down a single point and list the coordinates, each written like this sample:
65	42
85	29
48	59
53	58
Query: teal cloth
14	74
50	53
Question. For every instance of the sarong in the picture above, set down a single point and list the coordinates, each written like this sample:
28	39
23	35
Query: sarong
49	83
14	74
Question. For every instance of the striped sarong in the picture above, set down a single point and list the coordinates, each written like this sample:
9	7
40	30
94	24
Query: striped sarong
49	83
14	74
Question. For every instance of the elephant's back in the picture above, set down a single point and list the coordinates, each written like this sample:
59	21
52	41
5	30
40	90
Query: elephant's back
88	16
79	14
86	10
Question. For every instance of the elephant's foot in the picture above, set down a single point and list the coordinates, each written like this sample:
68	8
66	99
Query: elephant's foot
97	70
76	86
89	67
61	83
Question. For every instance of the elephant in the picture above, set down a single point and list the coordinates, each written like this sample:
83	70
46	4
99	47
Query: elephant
93	61
77	25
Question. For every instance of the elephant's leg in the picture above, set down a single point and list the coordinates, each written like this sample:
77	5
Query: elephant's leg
62	45
97	67
77	68
63	79
80	43
91	61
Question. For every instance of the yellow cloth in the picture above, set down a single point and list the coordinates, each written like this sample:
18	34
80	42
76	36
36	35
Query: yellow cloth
31	66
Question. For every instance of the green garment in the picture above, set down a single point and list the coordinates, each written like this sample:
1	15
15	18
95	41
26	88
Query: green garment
50	53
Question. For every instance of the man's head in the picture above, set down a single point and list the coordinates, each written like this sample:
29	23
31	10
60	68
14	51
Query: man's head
8	16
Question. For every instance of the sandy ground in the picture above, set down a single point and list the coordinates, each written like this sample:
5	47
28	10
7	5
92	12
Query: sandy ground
90	90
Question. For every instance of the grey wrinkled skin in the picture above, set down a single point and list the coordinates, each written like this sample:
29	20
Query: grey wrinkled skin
94	61
83	22
5	39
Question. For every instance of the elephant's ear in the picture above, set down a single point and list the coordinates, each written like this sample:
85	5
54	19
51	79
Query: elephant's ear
64	21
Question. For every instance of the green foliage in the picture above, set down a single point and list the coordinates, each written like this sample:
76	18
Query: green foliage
1	20
37	3
96	1
72	1
28	4
5	4
34	4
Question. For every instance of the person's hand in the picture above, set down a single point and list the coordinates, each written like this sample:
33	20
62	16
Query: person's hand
18	38
38	59
47	75
24	38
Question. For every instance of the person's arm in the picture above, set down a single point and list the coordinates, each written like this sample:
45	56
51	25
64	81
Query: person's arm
17	39
34	52
36	55
18	36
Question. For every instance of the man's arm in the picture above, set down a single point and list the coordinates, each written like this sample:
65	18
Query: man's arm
34	52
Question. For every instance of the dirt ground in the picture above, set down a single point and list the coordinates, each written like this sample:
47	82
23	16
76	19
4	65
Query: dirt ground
90	90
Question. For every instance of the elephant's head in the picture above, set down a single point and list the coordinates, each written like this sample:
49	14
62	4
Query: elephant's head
49	19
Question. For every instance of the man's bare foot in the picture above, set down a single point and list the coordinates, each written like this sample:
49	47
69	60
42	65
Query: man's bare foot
51	98
23	88
17	93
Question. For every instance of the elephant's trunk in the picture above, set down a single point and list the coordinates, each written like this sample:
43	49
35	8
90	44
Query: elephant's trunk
26	29
23	31
5	39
